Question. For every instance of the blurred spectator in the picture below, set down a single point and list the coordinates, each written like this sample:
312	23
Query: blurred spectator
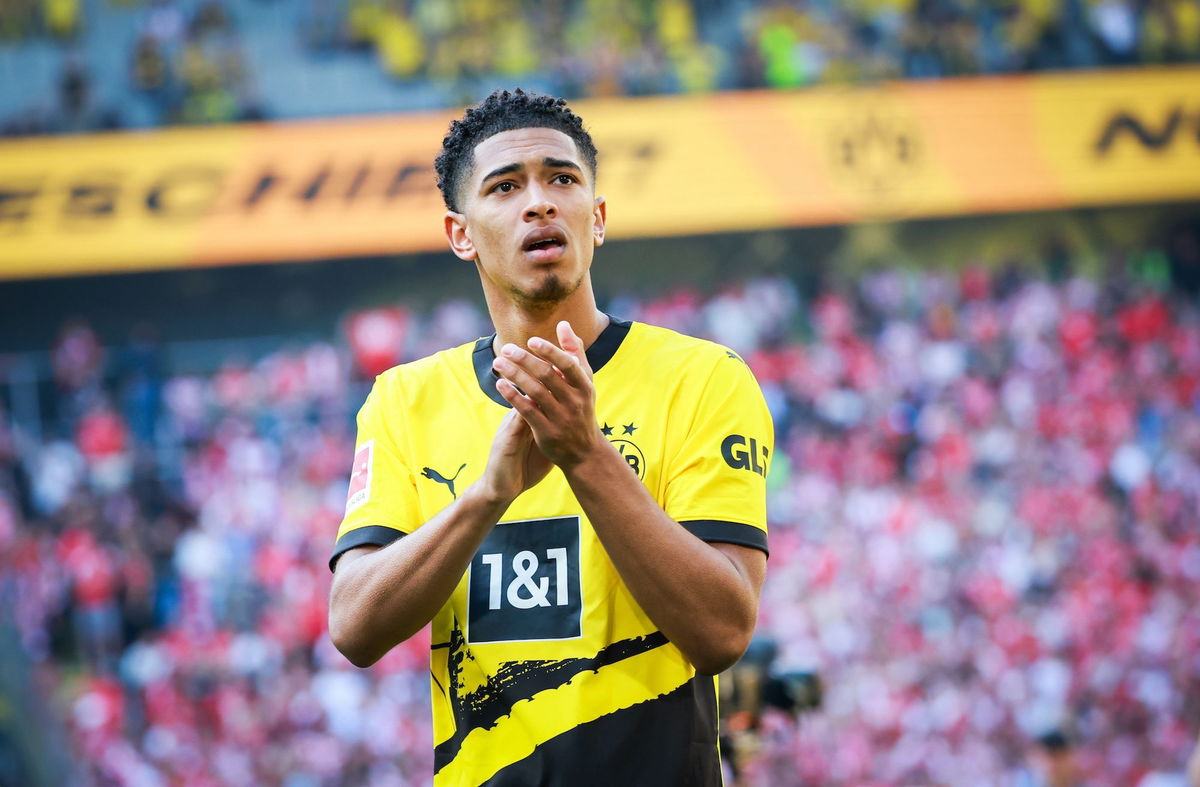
140	377
78	360
377	338
77	110
103	441
62	17
151	76
17	19
210	69
401	50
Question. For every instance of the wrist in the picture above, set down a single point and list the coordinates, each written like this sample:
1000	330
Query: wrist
600	458
490	502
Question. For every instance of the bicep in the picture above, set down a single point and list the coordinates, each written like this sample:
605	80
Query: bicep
750	564
344	572
351	555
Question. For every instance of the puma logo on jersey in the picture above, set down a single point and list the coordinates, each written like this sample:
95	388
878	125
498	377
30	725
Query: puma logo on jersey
434	475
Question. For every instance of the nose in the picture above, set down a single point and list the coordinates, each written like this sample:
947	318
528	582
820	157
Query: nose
540	205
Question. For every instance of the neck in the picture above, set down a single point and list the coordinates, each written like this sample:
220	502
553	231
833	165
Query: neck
517	323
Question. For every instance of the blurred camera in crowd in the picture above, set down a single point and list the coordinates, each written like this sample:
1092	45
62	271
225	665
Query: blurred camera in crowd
751	687
753	684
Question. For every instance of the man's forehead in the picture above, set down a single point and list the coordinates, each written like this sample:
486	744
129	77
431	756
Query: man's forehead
523	146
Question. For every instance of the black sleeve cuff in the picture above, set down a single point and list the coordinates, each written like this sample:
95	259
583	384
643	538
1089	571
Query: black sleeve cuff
727	533
378	535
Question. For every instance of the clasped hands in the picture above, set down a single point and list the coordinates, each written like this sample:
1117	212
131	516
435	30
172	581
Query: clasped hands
551	388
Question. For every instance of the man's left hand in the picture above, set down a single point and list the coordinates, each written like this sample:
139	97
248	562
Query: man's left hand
559	401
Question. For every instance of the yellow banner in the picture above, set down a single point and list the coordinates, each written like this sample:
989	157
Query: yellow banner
669	166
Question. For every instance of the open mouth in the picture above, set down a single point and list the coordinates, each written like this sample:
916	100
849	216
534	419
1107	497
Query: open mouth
545	240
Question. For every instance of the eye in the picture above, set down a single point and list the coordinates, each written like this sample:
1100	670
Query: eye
564	179
504	186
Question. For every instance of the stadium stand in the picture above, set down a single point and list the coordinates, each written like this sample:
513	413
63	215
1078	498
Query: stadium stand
983	536
71	65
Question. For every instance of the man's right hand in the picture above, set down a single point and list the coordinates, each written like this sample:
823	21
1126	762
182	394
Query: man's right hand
515	462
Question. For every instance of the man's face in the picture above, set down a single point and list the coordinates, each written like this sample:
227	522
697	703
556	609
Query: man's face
530	217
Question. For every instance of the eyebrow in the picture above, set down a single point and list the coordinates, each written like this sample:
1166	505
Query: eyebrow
505	170
561	163
554	163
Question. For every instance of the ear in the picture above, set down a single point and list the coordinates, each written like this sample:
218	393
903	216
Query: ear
460	241
599	217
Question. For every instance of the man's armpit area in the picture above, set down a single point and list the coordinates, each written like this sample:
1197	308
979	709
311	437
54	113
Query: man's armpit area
370	535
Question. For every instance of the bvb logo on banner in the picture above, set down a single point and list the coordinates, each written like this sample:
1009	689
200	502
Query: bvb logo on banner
876	150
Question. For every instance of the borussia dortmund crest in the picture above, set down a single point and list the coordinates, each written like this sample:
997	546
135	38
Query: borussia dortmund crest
626	447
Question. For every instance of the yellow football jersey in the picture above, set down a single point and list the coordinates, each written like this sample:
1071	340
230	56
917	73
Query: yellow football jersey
545	669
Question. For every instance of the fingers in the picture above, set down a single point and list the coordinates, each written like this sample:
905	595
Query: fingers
550	377
570	360
571	342
566	365
567	337
526	408
531	374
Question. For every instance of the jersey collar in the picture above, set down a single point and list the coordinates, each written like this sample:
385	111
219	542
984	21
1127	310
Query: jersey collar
599	353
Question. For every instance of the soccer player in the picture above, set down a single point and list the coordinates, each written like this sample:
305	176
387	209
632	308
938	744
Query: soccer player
577	502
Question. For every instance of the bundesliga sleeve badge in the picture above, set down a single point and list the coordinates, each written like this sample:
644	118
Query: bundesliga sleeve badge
360	477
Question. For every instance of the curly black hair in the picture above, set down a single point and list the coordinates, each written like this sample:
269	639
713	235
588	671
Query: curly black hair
504	111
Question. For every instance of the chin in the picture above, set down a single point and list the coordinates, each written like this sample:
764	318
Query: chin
550	292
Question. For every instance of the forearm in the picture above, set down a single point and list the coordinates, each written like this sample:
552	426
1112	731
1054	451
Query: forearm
382	598
696	595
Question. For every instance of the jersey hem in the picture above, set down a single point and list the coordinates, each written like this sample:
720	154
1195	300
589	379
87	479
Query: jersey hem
369	535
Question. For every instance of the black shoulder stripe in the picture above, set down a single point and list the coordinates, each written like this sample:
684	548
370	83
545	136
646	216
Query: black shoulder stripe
727	533
378	535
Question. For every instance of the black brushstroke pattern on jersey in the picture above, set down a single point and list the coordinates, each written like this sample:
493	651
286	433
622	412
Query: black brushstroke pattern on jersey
666	741
515	681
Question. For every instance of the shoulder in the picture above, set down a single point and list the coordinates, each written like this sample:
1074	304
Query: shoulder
405	387
679	352
423	372
693	374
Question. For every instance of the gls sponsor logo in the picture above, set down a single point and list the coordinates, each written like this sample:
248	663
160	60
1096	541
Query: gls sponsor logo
1153	135
743	453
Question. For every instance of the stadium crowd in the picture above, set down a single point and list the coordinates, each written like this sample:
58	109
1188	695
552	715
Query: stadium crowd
188	62
984	512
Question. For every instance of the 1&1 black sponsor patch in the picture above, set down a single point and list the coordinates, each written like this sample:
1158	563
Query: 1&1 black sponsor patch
524	583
